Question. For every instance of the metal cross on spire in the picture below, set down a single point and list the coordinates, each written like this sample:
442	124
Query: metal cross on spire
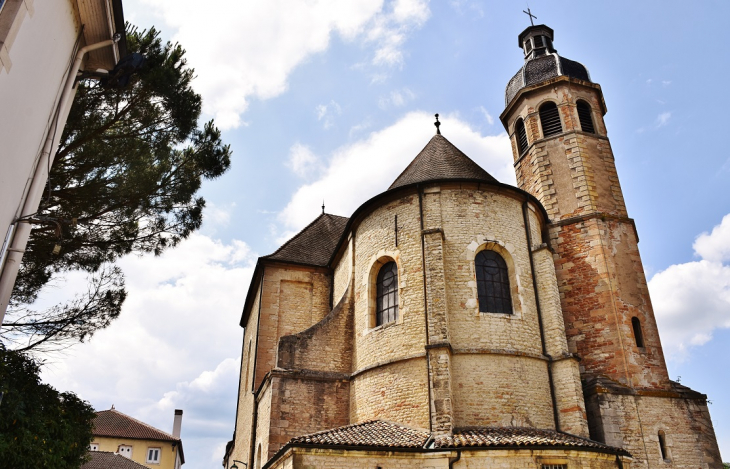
529	13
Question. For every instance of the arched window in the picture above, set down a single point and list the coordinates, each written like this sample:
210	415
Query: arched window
550	119
638	335
493	283
386	305
585	117
521	136
663	445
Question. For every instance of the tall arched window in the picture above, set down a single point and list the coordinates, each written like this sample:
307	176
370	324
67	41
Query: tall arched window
493	283
638	335
550	119
386	305
521	135
585	117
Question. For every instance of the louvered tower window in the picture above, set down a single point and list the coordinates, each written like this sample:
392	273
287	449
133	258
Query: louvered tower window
493	283
386	306
521	136
585	117
550	119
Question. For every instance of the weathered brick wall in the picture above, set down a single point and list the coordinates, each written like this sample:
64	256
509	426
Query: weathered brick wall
397	392
602	284
302	404
501	390
300	458
293	299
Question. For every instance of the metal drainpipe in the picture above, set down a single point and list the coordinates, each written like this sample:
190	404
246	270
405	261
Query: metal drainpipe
528	238
456	459
15	251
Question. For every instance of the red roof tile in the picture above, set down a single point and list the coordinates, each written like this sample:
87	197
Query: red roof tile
113	423
371	433
106	460
377	433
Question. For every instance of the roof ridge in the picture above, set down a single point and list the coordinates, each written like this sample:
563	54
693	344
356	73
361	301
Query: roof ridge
141	423
300	232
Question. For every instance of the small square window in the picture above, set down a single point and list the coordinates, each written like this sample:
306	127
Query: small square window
554	466
125	450
94	447
153	455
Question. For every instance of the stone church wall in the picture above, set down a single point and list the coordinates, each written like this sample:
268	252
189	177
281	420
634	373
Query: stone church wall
343	272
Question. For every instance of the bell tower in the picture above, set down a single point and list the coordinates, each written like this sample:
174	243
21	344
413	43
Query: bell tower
562	155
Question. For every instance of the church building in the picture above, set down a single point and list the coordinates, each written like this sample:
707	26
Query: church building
454	321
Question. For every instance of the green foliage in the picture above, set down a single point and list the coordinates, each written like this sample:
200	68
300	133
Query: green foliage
124	180
39	427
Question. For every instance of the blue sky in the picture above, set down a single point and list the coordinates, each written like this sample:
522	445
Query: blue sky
330	100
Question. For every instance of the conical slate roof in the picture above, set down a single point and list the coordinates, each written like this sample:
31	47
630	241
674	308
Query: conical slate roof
315	244
440	159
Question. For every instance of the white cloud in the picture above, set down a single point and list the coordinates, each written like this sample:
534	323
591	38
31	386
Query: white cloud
245	48
691	300
358	171
396	98
302	161
327	113
715	246
172	344
487	115
663	118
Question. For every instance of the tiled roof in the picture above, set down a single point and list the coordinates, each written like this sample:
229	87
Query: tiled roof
315	244
371	433
517	436
113	423
378	433
440	159
106	460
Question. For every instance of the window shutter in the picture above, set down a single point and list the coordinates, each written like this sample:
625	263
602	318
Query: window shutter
584	115
550	120
521	136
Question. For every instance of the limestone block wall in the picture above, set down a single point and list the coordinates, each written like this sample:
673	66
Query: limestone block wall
301	458
302	404
343	272
501	390
374	245
634	422
293	299
246	400
397	392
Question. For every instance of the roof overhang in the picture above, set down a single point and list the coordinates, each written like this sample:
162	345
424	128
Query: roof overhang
100	20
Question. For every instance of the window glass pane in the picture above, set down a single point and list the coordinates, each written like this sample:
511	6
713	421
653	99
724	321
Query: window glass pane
386	302
492	283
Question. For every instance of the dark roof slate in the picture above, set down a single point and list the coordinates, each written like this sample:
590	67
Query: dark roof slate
315	244
543	68
378	433
440	159
113	423
107	460
370	433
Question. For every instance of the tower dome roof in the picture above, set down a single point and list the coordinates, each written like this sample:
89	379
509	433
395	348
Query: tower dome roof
438	160
542	62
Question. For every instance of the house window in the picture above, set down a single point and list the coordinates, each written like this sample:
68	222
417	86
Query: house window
638	335
386	300
585	117
153	455
125	451
493	283
550	119
521	136
94	447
